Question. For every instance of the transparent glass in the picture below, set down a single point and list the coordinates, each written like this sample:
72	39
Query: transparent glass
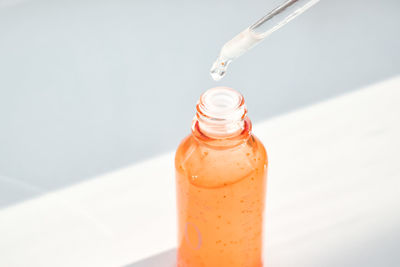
221	172
257	32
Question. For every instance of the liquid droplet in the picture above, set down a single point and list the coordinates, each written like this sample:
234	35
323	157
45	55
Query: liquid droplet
218	69
234	48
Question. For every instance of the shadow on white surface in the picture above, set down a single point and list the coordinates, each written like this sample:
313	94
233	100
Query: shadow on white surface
333	194
381	250
88	87
163	259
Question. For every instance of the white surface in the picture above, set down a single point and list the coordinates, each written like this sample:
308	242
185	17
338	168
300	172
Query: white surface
333	196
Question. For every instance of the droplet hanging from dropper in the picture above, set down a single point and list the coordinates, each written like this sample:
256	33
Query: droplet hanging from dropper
218	69
233	49
251	36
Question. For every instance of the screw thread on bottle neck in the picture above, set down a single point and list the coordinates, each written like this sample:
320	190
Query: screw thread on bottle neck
221	113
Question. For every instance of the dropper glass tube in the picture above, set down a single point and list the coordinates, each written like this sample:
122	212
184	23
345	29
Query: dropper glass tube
254	34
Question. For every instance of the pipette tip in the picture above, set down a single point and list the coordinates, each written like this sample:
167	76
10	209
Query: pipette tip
218	69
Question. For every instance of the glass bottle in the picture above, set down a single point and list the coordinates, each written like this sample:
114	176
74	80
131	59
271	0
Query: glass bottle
221	171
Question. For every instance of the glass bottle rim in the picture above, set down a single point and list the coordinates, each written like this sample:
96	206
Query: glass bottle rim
221	115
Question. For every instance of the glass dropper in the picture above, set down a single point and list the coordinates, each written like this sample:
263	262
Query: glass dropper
254	34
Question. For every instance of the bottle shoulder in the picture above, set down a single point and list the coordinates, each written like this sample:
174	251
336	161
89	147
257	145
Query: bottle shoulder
211	166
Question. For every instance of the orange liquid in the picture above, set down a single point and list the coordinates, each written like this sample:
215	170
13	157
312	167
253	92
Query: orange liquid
220	198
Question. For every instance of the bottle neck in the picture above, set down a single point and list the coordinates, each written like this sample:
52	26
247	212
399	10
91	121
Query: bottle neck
221	114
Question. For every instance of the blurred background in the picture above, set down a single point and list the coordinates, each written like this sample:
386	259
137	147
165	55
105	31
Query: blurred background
88	87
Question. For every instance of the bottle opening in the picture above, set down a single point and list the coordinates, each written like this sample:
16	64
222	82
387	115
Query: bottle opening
221	112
